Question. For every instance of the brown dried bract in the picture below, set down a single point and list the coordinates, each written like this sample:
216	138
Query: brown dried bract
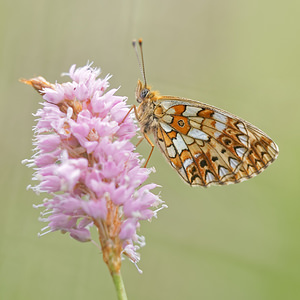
38	83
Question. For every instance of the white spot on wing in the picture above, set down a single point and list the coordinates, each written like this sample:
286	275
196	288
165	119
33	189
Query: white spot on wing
171	151
209	176
166	104
195	124
166	127
187	162
243	139
188	139
241	127
167	118
198	134
171	111
222	171
233	162
240	151
220	117
220	126
217	134
191	111
197	155
179	143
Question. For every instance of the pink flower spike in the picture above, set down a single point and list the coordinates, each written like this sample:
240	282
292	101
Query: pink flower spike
48	143
85	163
81	235
128	229
54	96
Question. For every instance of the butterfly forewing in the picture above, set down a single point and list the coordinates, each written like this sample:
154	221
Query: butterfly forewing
207	145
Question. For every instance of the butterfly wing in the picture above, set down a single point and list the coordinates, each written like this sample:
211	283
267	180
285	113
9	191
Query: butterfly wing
207	145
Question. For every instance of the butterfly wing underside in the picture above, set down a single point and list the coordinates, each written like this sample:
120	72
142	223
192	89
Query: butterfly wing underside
207	145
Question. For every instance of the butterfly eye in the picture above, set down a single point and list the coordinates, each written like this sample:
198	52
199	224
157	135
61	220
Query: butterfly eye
144	93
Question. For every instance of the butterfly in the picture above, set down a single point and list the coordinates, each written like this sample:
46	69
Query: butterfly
204	144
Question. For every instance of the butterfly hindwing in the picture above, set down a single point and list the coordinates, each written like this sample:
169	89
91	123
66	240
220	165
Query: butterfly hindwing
207	145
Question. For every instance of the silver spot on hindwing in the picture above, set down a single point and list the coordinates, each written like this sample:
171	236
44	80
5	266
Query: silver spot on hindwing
191	111
243	139
188	139
241	127
166	127
179	143
220	117
220	126
171	151
222	171
187	162
233	162
240	151
167	118
209	176
198	134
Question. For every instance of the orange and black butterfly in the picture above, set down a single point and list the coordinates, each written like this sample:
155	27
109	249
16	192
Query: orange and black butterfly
204	144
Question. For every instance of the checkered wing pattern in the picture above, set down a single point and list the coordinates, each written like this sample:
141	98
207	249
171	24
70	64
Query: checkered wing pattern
207	145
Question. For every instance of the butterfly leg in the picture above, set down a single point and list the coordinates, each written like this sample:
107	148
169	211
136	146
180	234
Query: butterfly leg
145	135
151	144
133	107
140	140
152	148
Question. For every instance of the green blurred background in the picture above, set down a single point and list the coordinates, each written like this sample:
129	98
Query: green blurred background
233	242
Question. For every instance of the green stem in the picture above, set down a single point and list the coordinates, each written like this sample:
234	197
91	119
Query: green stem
119	284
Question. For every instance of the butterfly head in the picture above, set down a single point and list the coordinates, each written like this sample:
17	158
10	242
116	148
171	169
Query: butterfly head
142	92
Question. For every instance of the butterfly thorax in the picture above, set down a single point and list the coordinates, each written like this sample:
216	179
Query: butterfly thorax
145	111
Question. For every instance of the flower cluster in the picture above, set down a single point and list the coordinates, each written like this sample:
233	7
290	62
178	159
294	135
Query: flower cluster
85	161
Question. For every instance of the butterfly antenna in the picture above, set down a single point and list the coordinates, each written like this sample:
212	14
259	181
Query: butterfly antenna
140	59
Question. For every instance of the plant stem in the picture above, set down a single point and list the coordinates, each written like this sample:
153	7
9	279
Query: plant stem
120	288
